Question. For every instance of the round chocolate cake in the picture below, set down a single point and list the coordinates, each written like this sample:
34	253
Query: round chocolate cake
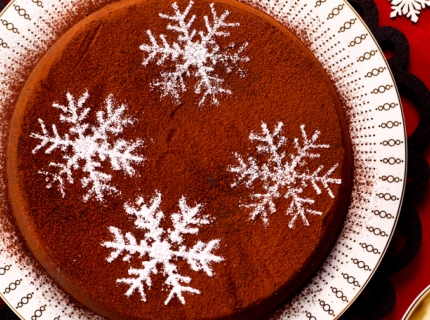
179	160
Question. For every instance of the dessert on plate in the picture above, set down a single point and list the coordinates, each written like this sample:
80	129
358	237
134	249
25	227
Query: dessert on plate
179	160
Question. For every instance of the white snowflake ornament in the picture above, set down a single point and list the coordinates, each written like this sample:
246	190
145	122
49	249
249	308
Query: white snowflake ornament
86	147
284	175
160	250
408	8
195	54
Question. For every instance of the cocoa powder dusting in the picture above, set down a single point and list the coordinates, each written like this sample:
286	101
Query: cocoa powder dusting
188	149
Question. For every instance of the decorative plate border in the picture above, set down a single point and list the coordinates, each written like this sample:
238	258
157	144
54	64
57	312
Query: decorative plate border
349	53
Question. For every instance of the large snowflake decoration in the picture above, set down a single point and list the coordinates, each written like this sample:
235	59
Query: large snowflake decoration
85	147
284	175
409	8
160	250
195	54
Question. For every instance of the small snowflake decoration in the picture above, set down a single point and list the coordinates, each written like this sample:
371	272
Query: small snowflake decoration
159	250
85	147
409	8
283	175
194	55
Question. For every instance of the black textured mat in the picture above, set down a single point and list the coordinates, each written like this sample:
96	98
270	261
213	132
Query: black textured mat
379	297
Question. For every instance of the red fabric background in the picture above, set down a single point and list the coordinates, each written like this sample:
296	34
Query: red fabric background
416	276
410	281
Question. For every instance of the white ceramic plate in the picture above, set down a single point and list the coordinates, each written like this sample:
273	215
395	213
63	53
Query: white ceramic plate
348	52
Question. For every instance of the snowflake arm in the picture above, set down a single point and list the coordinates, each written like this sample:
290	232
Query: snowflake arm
70	112
97	183
121	155
183	27
264	203
143	276
148	217
124	243
172	84
209	86
56	141
248	172
268	144
166	50
325	180
182	221
297	208
154	49
70	115
112	120
218	23
304	151
409	8
53	178
200	256
232	59
174	280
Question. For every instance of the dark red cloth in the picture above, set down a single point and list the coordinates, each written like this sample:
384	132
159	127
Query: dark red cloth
410	281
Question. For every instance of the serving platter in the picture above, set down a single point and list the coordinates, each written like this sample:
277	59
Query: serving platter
350	55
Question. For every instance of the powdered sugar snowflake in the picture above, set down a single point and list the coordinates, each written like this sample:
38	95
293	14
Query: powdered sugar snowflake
162	248
194	56
283	176
409	8
90	145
